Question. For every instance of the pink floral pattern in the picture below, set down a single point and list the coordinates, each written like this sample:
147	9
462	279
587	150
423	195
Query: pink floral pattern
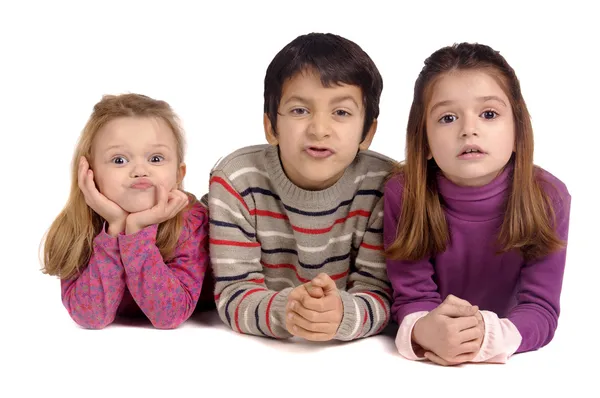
127	274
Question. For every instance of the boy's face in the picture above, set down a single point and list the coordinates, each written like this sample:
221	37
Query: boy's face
319	130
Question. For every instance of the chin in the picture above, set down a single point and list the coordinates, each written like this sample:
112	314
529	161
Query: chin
136	207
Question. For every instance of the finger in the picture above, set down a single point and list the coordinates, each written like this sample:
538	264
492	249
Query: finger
471	334
315	327
81	173
325	304
308	335
325	282
90	186
465	352
437	359
314	291
452	299
464	323
297	294
457	311
162	197
313	316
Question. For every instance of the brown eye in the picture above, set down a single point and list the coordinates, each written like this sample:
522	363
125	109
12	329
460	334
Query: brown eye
156	159
489	115
447	119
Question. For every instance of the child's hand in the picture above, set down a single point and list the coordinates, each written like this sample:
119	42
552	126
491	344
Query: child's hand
114	215
315	319
449	334
167	206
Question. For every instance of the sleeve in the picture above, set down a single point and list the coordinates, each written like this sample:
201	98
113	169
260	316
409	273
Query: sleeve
243	301
168	292
412	281
92	298
538	296
367	301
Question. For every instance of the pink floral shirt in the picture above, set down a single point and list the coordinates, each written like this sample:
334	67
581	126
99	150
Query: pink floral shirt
127	274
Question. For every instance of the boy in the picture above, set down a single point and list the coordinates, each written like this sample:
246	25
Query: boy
296	225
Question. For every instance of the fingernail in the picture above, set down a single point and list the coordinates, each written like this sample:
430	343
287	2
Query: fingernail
292	304
290	316
295	328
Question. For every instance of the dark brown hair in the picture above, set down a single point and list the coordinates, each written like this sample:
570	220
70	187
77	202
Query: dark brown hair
529	217
335	59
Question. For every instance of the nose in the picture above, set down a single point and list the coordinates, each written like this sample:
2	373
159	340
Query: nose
139	170
469	127
320	125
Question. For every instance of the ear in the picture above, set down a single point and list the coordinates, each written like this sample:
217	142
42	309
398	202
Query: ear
366	143
181	173
269	131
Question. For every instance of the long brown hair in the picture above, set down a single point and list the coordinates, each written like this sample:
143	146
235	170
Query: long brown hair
422	228
68	243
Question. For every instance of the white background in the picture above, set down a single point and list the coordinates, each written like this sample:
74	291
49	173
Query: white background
58	59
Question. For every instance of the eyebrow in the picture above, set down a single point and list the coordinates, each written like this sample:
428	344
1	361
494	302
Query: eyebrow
335	100
123	146
480	99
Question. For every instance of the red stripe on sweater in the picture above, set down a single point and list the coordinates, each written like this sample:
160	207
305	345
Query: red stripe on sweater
237	309
229	189
267	213
372	247
376	297
352	214
257	281
269	313
233	243
288	266
361	330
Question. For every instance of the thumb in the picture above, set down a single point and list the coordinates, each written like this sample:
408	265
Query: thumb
325	282
314	291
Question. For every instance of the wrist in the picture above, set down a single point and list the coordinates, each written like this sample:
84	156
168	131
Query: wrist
115	228
131	226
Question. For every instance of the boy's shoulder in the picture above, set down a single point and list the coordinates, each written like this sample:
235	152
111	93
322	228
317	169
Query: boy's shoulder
248	156
374	158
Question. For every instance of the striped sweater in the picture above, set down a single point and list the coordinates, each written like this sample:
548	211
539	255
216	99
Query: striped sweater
268	236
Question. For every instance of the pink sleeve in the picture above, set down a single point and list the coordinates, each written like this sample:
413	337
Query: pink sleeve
167	293
500	341
93	297
404	343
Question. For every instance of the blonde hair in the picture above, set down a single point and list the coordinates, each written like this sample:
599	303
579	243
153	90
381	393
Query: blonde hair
68	243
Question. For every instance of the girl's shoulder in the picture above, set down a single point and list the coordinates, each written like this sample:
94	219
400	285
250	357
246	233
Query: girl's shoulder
554	187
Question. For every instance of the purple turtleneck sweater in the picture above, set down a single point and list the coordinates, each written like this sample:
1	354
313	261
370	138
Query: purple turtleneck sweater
527	293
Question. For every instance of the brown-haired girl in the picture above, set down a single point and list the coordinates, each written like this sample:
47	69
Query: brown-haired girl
474	232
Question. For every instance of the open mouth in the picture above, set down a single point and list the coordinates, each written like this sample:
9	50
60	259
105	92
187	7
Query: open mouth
318	152
471	153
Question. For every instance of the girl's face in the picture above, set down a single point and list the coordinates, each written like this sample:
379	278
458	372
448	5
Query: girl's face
470	127
131	157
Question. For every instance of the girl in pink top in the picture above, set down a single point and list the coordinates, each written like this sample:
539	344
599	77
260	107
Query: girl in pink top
476	234
129	239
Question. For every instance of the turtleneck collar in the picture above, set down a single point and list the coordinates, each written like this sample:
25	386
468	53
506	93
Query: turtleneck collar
482	203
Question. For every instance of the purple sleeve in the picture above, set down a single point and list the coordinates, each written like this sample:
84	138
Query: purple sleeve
167	292
93	297
540	284
412	281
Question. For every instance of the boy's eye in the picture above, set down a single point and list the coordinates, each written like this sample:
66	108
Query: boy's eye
447	119
156	159
341	112
119	160
299	111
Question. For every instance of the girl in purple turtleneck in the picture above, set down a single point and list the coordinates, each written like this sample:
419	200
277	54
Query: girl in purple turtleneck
475	233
